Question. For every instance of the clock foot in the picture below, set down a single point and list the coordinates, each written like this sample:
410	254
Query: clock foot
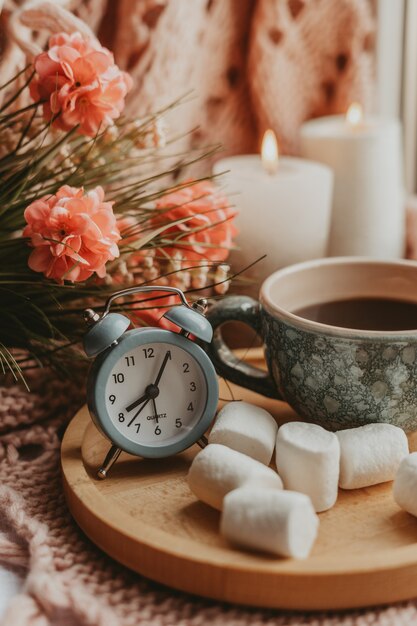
202	442
111	458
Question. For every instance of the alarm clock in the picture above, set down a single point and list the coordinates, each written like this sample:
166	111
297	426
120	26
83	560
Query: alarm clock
152	392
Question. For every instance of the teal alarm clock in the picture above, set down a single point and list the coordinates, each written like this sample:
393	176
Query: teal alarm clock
152	392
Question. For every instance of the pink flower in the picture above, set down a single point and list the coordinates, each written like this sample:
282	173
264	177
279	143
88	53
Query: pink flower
78	81
209	232
73	233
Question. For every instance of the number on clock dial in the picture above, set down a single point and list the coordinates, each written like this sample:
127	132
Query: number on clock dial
179	404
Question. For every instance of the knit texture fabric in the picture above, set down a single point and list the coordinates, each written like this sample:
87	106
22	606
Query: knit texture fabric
251	64
69	581
241	66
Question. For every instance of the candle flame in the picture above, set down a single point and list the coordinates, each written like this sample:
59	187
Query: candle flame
269	152
354	115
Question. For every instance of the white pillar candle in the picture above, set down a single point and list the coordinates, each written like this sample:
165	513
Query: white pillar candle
284	210
368	208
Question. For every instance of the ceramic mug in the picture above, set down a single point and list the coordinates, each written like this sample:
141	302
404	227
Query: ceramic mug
333	376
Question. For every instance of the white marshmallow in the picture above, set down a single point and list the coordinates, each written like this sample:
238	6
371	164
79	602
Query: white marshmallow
217	469
370	454
281	522
246	428
307	458
405	484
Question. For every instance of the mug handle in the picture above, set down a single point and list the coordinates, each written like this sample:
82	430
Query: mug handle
246	310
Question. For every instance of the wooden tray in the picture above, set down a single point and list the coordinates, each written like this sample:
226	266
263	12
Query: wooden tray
144	516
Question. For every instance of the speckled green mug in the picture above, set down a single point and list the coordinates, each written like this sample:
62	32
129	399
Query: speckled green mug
336	377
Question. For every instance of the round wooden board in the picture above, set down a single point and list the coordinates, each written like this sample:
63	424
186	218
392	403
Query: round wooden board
144	516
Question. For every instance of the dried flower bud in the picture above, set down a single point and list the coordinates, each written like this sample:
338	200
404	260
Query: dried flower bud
65	151
186	279
222	273
151	273
122	268
160	132
111	134
175	263
199	277
182	280
135	125
151	136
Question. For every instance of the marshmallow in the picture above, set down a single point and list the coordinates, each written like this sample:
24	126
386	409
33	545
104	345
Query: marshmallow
307	459
405	484
281	522
217	469
370	454
246	428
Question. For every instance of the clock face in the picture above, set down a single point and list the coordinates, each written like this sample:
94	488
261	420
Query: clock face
155	394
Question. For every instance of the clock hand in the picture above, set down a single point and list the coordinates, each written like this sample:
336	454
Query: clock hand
137	402
161	371
155	410
137	413
145	398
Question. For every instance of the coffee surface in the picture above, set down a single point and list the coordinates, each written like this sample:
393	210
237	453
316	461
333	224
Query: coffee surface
364	314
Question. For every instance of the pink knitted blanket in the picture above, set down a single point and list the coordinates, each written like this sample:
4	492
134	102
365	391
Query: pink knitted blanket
67	579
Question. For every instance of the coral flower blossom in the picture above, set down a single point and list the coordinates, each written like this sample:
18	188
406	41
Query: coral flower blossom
73	233
209	231
205	237
79	84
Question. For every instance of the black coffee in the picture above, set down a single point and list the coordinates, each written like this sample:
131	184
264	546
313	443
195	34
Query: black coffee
364	314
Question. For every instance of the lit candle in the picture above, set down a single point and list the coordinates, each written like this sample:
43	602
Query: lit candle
354	115
368	205
269	152
284	208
